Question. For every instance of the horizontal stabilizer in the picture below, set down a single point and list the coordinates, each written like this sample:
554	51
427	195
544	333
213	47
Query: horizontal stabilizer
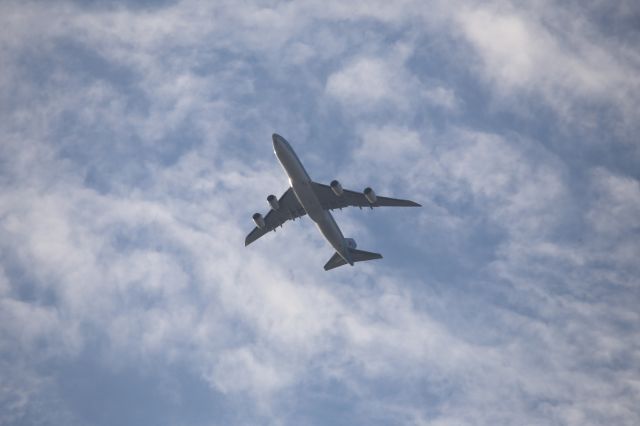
356	255
335	261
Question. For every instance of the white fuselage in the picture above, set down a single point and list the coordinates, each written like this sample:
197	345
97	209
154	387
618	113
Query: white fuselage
302	187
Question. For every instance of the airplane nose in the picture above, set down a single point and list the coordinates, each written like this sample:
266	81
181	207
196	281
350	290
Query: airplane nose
280	143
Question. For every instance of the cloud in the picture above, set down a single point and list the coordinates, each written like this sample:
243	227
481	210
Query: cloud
135	146
370	83
366	81
618	203
557	55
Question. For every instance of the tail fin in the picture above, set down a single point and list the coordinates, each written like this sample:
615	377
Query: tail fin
356	255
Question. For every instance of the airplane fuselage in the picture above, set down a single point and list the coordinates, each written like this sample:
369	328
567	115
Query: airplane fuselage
301	184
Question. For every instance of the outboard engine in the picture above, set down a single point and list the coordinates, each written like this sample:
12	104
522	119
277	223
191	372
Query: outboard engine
336	187
273	202
351	243
259	220
370	195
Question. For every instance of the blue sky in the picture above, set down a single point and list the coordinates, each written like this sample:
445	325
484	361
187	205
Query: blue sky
135	143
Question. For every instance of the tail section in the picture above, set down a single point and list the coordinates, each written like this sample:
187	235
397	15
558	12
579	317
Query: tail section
356	255
361	255
335	261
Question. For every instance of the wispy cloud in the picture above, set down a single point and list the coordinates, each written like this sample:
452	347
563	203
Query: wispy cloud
559	55
135	144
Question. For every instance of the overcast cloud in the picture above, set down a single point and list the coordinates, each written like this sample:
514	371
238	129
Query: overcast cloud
135	143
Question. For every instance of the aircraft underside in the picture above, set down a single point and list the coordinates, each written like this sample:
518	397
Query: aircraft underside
306	197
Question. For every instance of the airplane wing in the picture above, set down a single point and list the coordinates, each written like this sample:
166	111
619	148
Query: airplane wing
331	201
290	208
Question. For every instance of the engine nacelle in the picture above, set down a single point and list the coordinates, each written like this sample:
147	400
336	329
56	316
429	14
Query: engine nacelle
273	202
351	243
370	195
259	220
336	187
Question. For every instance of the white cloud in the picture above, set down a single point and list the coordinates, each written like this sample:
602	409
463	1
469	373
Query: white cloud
511	47
523	187
389	146
383	82
618	204
367	83
551	52
155	274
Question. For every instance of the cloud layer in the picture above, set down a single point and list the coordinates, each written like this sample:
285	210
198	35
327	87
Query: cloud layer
135	144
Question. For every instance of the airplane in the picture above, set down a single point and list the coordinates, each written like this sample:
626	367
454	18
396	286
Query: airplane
305	196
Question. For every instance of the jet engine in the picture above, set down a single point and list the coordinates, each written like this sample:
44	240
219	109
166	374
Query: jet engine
336	187
370	195
273	202
259	220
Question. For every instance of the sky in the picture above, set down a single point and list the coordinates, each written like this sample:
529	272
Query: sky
135	144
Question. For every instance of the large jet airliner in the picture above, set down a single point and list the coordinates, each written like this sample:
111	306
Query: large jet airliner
305	196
